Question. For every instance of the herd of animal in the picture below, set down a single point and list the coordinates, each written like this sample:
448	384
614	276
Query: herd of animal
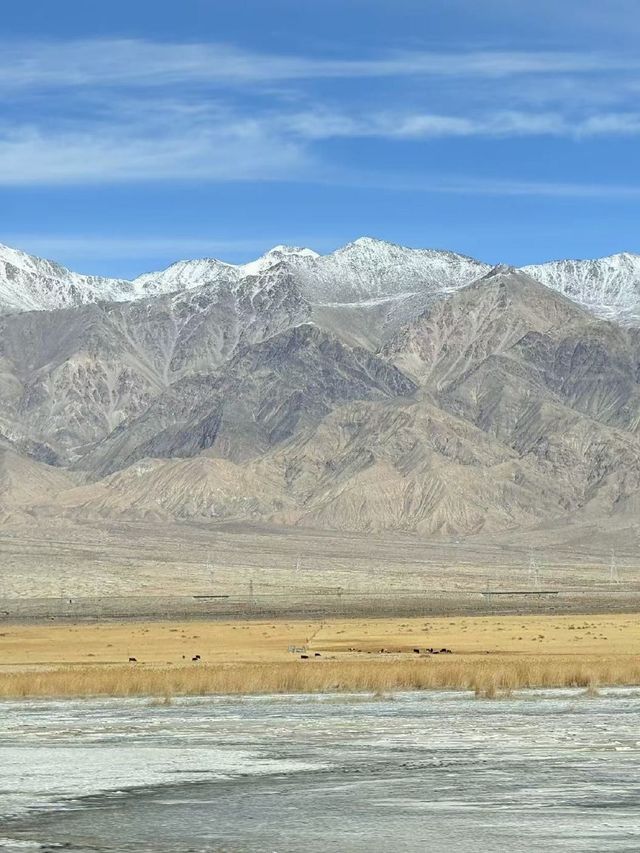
429	651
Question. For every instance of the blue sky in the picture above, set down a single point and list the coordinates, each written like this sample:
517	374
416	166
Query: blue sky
137	133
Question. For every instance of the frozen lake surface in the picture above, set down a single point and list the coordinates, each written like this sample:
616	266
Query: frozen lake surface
434	771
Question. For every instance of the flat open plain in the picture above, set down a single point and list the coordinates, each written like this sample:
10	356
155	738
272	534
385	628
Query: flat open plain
159	643
222	571
76	602
67	560
165	658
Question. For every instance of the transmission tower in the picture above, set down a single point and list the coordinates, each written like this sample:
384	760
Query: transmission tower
613	568
533	572
210	568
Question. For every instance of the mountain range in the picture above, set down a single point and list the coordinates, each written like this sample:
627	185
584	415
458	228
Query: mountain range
373	388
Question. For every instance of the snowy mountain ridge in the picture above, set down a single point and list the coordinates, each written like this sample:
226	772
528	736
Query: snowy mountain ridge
187	275
28	283
363	272
609	286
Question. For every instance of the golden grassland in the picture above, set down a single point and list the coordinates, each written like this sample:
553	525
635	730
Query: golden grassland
488	676
491	654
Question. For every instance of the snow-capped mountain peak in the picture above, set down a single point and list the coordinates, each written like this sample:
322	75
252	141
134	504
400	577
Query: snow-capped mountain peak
366	270
369	269
184	275
275	256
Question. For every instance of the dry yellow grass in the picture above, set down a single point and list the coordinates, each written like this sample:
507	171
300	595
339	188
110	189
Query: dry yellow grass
491	654
487	676
161	643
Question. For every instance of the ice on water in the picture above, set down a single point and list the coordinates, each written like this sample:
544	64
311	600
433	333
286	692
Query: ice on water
327	772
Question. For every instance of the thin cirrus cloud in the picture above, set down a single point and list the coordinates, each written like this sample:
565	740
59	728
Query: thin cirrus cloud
326	125
95	155
139	62
85	112
468	185
223	148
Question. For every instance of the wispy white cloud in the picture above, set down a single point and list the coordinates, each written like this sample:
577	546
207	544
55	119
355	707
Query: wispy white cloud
152	123
31	155
200	142
137	62
394	125
610	124
551	189
322	124
472	185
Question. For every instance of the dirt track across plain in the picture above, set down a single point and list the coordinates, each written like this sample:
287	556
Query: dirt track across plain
174	643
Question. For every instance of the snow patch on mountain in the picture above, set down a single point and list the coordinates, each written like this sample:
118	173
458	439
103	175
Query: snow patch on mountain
370	269
187	275
364	272
28	283
275	256
609	287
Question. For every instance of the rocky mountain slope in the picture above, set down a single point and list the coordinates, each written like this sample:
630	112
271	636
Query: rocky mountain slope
71	377
376	388
258	400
